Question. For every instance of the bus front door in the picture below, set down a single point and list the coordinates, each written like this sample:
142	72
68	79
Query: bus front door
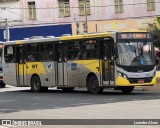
61	64
107	74
21	66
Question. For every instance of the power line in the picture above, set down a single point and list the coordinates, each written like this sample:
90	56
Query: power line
3	8
22	16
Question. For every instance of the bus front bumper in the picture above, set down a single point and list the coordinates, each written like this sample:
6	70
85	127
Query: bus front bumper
120	81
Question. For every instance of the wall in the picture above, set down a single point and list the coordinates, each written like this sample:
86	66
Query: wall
11	11
103	26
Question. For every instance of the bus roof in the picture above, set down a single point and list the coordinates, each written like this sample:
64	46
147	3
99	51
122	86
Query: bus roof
95	35
70	37
85	36
2	42
30	40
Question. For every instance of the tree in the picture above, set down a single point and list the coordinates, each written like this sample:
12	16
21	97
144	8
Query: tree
154	28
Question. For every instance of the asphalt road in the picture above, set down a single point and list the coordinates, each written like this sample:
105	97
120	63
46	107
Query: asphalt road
21	103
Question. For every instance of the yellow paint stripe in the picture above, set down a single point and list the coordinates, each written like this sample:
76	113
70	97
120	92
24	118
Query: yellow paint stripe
19	42
86	36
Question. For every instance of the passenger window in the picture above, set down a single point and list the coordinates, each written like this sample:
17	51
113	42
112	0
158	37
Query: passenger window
74	50
46	52
90	49
32	52
9	54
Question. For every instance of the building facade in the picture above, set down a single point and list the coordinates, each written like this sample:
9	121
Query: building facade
84	15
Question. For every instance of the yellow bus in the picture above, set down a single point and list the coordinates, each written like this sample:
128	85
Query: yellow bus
120	60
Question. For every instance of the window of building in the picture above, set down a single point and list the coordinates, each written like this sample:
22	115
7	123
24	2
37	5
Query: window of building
150	5
84	7
118	6
32	10
64	8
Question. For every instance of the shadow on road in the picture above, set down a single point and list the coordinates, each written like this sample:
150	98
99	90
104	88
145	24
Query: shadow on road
55	99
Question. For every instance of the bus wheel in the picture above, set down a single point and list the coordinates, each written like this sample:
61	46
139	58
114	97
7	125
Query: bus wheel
3	85
93	85
36	84
127	90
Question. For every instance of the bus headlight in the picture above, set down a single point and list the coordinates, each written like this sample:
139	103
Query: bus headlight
154	74
122	75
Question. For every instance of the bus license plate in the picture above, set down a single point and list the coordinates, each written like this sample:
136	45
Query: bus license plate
140	81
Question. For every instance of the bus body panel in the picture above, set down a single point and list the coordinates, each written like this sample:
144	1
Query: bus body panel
45	71
10	74
75	72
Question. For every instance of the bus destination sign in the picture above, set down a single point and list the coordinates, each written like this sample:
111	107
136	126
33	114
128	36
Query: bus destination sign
133	36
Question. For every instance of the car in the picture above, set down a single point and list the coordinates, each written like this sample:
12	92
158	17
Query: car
2	84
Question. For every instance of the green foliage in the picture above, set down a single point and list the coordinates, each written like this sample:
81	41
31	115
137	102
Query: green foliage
154	28
157	19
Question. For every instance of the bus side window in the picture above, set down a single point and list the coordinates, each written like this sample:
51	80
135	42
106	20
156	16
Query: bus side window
33	52
30	58
9	54
50	52
74	50
90	50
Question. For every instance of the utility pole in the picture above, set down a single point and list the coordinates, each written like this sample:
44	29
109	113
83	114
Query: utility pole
6	30
86	18
77	28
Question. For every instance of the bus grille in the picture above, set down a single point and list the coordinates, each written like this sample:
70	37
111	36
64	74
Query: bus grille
136	80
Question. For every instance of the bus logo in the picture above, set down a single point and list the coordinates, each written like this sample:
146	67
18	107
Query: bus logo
49	67
73	66
147	74
34	66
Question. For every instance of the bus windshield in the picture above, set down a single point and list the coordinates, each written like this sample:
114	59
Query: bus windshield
135	53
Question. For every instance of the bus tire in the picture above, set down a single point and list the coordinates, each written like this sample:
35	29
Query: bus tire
93	85
3	85
127	90
36	84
